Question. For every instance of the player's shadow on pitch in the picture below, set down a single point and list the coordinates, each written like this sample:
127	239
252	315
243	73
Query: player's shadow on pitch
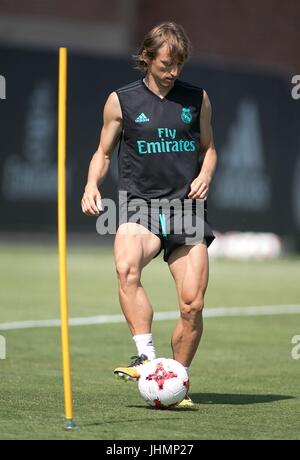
236	399
221	398
165	409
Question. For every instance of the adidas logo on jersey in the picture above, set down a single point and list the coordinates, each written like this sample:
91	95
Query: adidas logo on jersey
142	118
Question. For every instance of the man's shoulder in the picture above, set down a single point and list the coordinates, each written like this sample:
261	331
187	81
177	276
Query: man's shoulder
129	87
189	86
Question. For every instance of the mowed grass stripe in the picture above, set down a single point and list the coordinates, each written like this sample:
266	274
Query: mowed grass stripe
162	316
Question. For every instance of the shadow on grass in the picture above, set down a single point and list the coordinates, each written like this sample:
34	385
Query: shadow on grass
223	398
236	399
202	398
171	409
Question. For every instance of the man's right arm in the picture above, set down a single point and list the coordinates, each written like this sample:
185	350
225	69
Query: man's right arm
110	134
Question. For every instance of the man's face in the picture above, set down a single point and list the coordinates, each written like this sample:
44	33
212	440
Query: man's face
164	68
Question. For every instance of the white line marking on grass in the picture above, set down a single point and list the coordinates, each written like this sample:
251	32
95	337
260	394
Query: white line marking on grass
161	316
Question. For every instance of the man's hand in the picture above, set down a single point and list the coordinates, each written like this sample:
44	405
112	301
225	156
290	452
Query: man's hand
199	187
91	203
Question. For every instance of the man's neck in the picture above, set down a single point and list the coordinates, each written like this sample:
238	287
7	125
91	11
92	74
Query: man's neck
155	87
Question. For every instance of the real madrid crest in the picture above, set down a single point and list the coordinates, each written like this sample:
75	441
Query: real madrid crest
186	115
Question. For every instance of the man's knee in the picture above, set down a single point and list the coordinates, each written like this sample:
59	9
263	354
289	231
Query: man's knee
128	274
191	305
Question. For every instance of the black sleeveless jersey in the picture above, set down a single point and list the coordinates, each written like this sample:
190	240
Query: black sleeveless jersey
159	152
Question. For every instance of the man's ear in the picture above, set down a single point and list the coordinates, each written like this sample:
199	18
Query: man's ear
145	57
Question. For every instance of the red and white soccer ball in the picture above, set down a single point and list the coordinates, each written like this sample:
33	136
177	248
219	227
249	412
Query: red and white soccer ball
163	382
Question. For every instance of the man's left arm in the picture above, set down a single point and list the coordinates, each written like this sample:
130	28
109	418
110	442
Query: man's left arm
200	185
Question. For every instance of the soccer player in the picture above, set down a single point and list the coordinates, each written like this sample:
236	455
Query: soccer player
166	151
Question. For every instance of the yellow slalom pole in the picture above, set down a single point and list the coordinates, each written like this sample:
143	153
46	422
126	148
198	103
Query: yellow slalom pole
62	246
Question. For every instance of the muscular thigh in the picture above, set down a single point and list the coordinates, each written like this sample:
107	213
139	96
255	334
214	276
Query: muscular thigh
135	245
189	267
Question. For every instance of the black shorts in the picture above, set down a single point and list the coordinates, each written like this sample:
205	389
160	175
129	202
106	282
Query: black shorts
184	224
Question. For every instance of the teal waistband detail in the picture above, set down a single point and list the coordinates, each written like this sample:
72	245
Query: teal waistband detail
162	219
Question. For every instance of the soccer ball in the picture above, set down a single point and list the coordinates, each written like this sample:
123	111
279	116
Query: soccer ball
163	382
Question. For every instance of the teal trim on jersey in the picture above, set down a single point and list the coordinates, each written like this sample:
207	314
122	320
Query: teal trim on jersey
162	219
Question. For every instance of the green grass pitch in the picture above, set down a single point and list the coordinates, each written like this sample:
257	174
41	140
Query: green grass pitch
243	379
